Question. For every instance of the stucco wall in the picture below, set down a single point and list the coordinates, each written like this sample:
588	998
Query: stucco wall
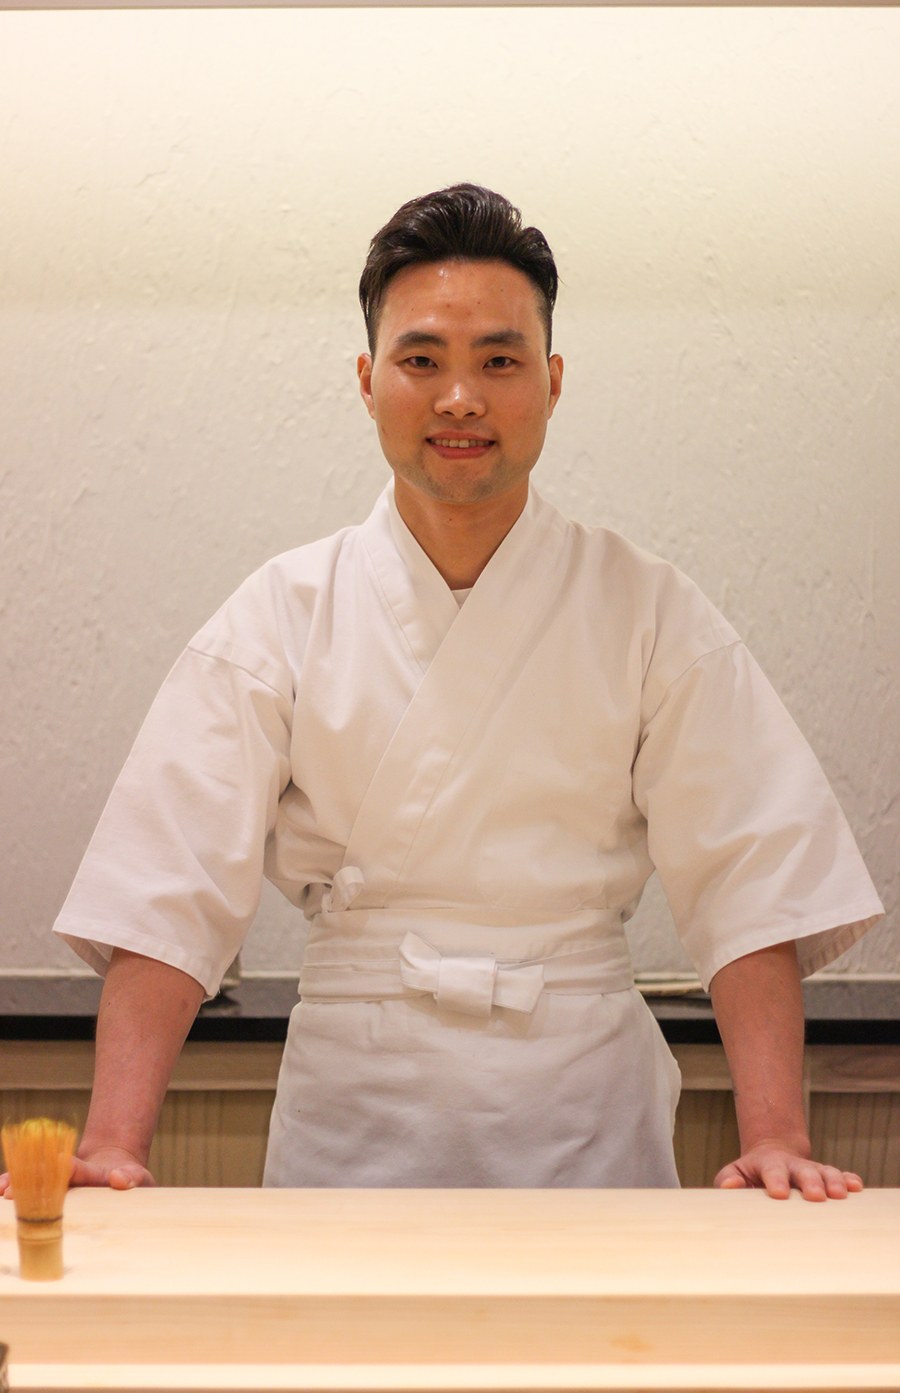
187	200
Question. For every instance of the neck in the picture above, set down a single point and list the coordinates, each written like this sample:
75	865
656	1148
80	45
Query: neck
459	539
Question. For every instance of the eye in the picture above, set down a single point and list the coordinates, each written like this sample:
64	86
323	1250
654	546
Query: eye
419	360
500	361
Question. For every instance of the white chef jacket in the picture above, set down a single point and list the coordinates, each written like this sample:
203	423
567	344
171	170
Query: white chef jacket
466	803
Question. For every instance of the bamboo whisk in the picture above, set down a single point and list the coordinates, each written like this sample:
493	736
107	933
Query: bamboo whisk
38	1157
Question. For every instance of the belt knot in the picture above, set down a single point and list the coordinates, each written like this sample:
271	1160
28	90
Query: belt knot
468	983
345	887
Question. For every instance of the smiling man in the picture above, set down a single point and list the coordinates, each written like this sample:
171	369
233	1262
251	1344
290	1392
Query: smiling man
460	737
461	389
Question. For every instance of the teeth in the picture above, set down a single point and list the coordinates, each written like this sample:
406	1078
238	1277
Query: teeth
459	444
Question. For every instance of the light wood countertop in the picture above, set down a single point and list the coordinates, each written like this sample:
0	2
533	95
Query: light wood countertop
491	1289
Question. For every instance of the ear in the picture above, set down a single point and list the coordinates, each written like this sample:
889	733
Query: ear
555	364
364	373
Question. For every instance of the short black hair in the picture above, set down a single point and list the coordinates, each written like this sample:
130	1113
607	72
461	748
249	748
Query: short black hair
464	222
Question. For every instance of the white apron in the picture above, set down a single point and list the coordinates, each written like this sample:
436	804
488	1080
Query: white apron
432	1032
467	804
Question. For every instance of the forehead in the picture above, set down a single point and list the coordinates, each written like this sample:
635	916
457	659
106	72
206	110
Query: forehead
466	297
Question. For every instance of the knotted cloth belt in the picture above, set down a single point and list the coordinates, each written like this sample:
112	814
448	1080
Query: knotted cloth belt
472	983
468	984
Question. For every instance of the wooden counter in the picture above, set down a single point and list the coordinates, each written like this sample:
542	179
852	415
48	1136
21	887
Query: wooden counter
464	1289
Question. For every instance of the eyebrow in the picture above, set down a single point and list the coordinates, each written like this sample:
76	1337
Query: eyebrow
502	338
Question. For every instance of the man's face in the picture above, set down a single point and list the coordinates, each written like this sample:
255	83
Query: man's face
460	387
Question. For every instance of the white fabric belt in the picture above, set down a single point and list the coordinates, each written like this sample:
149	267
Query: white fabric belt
470	983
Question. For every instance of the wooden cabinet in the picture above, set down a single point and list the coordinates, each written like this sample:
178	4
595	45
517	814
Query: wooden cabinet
215	1118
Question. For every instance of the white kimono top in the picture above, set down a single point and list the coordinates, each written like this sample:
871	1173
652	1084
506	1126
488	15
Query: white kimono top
466	803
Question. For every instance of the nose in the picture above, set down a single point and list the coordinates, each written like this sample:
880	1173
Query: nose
460	397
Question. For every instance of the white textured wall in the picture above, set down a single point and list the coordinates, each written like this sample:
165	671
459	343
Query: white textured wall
186	200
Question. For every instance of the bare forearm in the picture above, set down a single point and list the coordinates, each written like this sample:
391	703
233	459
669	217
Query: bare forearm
759	1011
146	1010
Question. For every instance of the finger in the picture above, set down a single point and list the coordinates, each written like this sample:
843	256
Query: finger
839	1184
777	1181
83	1173
834	1183
727	1178
119	1178
811	1182
730	1179
129	1177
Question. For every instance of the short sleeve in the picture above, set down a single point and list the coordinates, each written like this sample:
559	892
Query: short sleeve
174	869
747	837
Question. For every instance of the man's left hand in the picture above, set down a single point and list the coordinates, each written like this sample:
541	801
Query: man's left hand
778	1170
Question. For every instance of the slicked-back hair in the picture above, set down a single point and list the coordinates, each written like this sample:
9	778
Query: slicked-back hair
462	223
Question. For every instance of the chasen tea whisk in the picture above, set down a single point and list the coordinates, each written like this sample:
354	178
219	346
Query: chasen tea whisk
38	1156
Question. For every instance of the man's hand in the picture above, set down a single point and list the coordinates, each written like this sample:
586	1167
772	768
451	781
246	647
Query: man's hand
146	1010
110	1166
759	1010
778	1169
107	1166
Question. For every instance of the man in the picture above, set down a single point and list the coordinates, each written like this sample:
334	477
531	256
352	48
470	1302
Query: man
460	737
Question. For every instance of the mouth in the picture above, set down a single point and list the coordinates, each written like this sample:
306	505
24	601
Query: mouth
467	446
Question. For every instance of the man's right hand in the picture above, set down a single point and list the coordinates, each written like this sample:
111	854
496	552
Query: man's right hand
106	1166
